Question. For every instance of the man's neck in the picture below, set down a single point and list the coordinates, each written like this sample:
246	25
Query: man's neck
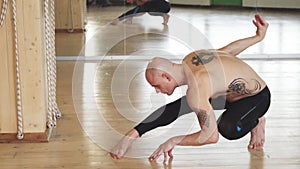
179	74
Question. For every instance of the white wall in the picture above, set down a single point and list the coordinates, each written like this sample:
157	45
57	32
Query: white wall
272	3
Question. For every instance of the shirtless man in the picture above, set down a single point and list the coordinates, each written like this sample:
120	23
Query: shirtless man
153	7
216	79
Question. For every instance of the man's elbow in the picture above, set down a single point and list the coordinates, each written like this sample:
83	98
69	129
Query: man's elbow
211	139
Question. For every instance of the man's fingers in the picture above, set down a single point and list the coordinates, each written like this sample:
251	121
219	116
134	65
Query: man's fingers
165	157
170	154
260	20
114	156
255	23
155	155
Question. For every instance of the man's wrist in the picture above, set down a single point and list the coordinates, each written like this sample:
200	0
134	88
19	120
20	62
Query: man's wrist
176	140
257	38
133	133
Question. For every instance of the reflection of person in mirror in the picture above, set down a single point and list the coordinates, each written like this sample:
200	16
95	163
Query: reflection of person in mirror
216	79
103	3
153	7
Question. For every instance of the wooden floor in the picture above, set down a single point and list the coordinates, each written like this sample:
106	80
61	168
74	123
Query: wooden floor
103	93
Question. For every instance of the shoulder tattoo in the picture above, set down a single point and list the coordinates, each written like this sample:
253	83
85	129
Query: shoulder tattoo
203	58
239	85
203	118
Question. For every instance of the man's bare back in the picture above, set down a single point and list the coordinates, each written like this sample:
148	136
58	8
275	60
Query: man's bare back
224	71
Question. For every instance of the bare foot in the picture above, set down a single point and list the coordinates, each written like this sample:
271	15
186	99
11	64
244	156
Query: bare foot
166	19
258	135
121	148
115	21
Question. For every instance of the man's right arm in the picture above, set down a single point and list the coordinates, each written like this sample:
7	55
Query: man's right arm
240	45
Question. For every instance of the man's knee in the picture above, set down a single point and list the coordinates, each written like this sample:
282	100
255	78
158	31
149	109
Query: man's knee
230	131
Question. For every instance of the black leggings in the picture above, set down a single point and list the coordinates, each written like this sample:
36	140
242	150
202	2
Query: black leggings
236	121
154	7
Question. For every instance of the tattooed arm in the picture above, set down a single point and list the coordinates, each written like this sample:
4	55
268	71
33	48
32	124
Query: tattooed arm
238	46
198	99
208	133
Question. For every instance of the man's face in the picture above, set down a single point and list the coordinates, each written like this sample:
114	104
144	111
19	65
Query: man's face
161	81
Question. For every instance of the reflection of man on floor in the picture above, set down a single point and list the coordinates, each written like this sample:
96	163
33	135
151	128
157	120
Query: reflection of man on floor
103	3
216	79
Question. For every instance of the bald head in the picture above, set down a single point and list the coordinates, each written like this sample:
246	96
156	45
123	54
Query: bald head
164	75
161	64
160	74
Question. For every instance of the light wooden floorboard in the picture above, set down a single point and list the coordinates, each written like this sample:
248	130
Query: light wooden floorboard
100	100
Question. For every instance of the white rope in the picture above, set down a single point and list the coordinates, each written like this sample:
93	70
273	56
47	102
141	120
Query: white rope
19	102
53	111
3	12
58	113
51	120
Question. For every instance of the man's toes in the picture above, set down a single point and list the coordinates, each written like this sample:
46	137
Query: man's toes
250	146
113	156
260	145
256	146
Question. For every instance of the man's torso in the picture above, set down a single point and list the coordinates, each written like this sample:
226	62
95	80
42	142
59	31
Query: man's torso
229	76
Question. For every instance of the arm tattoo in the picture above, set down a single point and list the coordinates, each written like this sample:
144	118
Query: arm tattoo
239	86
203	118
203	58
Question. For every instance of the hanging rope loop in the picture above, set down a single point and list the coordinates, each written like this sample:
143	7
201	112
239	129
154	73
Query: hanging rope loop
3	12
18	85
53	111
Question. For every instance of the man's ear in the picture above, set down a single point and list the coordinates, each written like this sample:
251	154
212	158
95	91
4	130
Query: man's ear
167	76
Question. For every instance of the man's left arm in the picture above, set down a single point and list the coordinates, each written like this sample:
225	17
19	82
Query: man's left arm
207	135
236	47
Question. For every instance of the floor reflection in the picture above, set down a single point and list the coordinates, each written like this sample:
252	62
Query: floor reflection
256	159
